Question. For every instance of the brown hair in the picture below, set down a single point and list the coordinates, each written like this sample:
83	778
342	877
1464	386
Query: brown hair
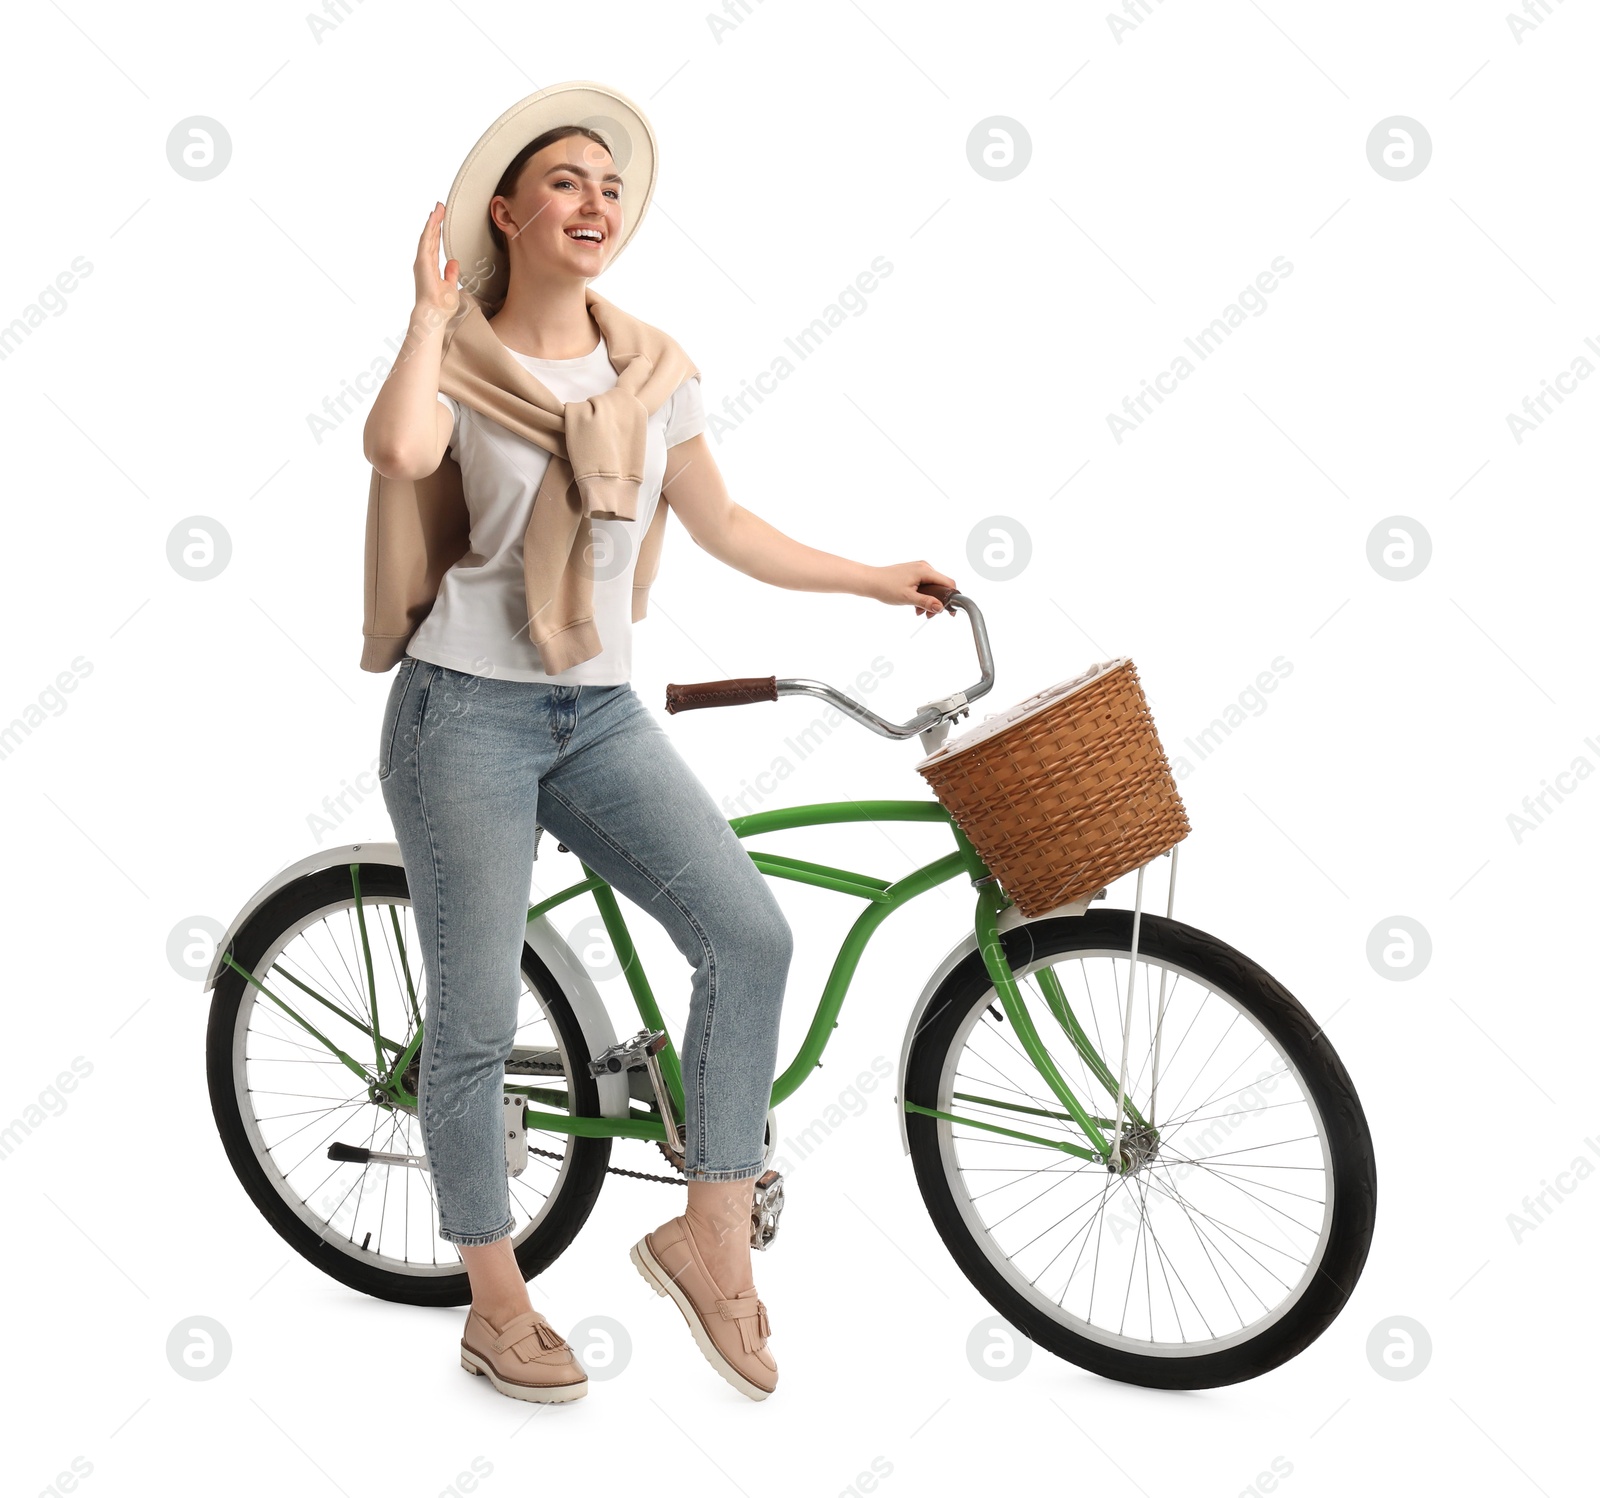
507	184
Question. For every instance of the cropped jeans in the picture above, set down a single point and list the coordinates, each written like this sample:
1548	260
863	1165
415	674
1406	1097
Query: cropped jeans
473	768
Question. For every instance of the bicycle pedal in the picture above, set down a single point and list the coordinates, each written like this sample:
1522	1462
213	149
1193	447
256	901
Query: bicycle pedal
635	1051
765	1204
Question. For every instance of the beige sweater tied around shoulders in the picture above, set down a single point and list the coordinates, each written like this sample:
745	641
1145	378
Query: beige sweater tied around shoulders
418	528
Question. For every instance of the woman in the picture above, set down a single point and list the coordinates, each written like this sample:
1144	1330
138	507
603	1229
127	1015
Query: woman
574	750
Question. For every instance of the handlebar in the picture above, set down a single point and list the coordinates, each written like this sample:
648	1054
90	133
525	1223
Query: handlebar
736	690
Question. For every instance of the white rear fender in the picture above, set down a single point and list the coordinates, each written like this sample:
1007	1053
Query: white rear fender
564	964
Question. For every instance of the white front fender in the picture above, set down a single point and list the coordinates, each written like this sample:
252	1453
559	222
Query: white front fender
564	964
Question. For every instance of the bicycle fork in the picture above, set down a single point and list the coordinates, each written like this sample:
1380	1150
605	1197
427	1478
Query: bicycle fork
1128	1119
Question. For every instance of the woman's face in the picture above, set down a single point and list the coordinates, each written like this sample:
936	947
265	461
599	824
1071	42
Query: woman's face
566	213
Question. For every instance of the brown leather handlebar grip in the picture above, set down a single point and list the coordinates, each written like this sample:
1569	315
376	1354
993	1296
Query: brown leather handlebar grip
939	591
729	693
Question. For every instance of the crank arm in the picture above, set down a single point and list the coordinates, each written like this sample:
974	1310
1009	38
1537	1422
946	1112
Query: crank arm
644	1049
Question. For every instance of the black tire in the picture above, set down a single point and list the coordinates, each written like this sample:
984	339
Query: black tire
1322	1077
539	1241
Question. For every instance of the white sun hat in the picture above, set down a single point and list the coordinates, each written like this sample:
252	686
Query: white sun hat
484	270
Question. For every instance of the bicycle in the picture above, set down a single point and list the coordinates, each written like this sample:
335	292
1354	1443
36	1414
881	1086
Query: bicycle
1136	1144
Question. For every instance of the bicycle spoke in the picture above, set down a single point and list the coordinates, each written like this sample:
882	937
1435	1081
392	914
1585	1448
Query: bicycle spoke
1206	1102
1032	1202
1265	1206
1174	1123
1229	1229
1214	1049
1076	1167
1205	999
356	1100
1177	1316
1316	1201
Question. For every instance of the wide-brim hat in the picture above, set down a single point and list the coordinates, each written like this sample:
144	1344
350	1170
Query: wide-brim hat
484	271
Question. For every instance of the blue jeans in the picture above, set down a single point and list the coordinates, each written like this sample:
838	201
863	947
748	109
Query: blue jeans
472	767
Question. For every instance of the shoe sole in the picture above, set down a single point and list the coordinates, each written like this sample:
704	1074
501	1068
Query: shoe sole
534	1393
663	1284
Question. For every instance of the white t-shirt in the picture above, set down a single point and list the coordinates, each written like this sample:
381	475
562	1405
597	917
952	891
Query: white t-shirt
479	621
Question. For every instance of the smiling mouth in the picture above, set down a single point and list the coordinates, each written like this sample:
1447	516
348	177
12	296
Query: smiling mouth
586	235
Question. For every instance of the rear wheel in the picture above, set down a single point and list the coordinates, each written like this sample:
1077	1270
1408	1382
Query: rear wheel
281	1097
1241	1220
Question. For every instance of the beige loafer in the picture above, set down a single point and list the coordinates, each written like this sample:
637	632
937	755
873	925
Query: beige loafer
527	1358
731	1331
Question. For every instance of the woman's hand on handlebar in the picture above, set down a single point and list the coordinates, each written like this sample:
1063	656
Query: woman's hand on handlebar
898	583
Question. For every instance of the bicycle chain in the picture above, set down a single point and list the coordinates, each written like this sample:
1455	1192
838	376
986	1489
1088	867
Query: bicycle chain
616	1170
527	1067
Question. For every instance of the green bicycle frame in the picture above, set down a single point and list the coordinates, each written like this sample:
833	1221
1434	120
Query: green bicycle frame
883	898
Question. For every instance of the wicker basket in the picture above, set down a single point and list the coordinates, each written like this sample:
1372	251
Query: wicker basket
1064	792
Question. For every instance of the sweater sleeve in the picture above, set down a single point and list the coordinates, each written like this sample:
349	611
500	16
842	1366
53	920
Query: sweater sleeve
686	412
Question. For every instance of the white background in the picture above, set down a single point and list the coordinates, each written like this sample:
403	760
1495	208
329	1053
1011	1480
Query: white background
1167	169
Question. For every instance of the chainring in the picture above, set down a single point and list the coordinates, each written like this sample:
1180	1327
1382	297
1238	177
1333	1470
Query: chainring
674	1157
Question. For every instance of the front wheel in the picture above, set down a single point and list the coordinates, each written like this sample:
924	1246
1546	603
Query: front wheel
1239	1220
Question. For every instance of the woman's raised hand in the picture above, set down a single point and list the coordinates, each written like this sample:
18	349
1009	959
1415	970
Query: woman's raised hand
436	294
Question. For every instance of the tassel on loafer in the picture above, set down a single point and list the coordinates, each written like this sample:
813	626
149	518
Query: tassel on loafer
527	1358
731	1330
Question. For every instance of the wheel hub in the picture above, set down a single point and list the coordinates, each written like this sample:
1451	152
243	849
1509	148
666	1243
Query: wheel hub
1139	1148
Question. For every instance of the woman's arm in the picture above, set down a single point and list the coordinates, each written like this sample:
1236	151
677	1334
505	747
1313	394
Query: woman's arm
408	427
694	488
